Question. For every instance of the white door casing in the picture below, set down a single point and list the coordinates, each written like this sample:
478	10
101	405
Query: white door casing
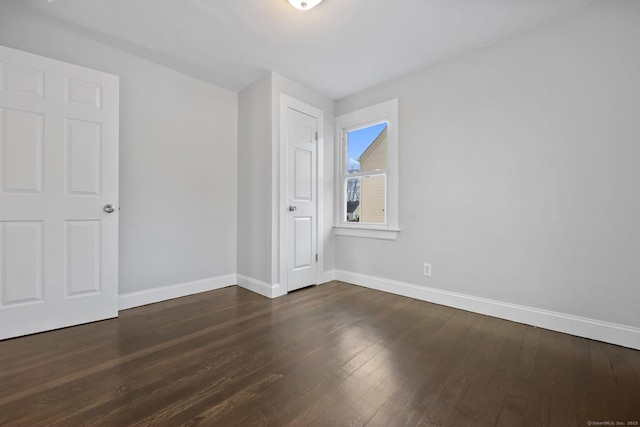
301	208
58	169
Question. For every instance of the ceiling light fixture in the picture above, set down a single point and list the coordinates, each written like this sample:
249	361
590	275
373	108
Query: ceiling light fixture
304	4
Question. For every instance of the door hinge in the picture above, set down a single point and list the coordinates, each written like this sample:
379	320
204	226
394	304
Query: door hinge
316	257
316	136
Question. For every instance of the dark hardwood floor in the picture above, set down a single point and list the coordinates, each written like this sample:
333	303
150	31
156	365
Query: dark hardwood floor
332	355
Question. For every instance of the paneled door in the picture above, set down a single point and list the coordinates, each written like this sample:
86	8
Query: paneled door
301	197
58	194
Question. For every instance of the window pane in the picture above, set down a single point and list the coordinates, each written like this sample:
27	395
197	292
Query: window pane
353	200
367	149
366	199
373	199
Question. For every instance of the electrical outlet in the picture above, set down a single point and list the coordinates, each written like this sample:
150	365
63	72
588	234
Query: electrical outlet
426	269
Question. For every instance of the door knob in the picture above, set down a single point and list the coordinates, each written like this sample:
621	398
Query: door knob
293	208
109	208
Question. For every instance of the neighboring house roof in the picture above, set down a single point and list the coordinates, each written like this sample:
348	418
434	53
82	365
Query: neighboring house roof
351	206
373	145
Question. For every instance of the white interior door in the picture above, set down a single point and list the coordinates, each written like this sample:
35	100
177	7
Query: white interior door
58	170
301	199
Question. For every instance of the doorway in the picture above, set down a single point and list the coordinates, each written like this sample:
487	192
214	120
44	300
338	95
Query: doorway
300	198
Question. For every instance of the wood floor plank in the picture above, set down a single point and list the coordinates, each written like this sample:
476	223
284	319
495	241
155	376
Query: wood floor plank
427	369
608	381
516	400
227	348
335	354
485	396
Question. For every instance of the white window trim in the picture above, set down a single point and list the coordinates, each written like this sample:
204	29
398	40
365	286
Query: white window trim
383	112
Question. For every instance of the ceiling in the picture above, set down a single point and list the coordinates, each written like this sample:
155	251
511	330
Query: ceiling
338	48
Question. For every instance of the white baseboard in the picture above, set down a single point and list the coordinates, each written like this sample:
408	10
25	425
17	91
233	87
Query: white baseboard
613	333
623	335
326	277
150	296
259	287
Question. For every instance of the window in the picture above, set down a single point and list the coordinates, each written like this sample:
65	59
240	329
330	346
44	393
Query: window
366	177
367	168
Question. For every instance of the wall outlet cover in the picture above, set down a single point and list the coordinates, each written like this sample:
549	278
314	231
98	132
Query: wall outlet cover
426	269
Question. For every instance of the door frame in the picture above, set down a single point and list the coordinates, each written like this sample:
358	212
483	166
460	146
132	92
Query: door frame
281	217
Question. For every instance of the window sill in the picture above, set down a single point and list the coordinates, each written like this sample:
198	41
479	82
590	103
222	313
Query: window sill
366	232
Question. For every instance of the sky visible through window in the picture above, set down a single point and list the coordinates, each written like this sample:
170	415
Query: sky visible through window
359	141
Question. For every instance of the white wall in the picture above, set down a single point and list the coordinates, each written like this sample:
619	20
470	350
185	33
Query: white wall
254	181
520	177
178	159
